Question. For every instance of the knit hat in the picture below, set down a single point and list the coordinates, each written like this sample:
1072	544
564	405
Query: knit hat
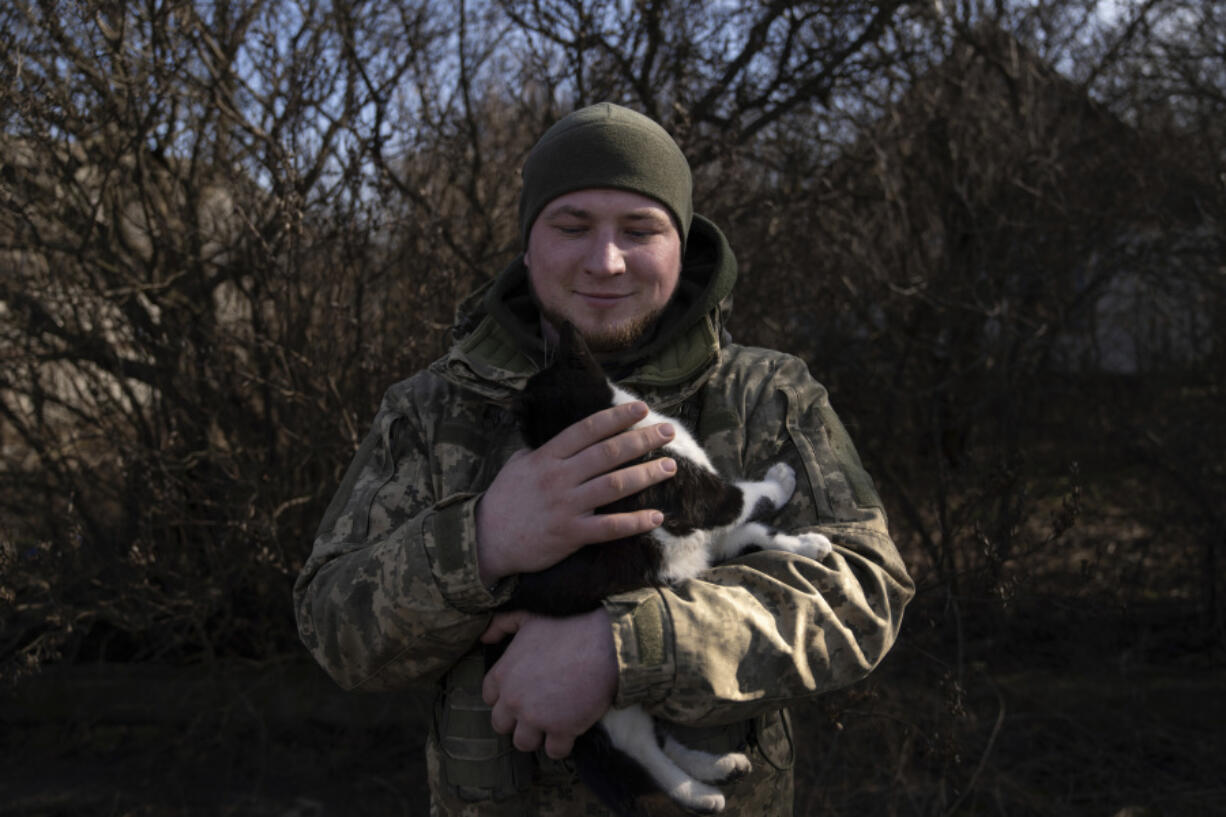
606	145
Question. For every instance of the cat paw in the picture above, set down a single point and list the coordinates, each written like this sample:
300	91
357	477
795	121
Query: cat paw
698	798
813	545
706	766
785	478
729	767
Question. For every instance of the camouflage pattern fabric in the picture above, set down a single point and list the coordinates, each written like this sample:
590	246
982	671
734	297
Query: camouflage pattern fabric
391	596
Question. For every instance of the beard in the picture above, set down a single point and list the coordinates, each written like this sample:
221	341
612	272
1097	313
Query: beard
607	340
610	339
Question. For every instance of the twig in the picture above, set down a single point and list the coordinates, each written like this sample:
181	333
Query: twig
987	750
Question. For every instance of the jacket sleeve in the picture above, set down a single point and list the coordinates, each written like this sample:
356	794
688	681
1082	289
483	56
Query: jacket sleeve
390	594
768	627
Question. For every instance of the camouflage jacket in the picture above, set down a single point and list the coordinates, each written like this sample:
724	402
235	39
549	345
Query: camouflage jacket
390	595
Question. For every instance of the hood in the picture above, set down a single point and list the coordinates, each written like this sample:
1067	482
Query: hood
497	342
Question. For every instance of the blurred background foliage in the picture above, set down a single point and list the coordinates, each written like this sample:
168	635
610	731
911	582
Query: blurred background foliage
994	230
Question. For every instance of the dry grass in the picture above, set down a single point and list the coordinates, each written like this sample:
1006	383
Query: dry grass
1079	740
1066	724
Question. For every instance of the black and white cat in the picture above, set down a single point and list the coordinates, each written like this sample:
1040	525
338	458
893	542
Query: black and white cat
706	520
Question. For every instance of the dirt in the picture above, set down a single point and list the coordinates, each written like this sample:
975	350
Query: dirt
281	741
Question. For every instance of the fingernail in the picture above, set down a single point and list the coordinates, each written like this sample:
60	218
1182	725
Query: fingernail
657	518
667	430
669	466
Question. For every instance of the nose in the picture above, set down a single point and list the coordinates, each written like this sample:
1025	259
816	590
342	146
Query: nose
604	257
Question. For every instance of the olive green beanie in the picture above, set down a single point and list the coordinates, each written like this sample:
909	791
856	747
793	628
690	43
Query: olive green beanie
606	145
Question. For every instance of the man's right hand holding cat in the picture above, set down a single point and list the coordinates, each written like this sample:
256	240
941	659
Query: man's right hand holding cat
541	506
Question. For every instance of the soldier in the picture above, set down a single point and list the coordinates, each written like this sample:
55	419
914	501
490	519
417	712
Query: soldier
442	508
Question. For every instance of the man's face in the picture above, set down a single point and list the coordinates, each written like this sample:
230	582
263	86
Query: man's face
606	260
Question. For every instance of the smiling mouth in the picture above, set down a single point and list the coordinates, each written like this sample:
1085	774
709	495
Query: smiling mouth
604	296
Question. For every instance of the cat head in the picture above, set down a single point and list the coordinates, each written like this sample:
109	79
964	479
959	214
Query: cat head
570	388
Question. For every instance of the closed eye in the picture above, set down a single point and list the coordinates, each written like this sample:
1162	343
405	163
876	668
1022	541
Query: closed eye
643	227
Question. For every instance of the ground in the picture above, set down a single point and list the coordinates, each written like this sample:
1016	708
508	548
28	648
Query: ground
1085	728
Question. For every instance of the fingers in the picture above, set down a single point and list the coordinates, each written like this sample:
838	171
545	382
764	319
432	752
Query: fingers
596	473
603	456
605	527
599	426
542	503
489	694
610	487
501	719
593	466
558	746
528	738
503	625
556	678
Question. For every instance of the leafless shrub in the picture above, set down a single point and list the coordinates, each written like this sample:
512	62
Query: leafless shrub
225	229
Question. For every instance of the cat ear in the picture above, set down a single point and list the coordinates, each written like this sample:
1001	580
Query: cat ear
572	345
567	336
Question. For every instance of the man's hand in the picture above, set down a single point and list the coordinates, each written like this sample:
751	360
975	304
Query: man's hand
557	677
541	506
